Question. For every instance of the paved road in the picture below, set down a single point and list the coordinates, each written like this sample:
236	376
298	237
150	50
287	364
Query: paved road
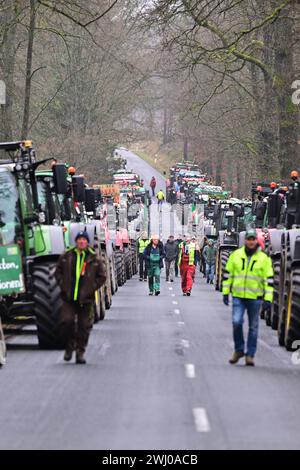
144	169
157	377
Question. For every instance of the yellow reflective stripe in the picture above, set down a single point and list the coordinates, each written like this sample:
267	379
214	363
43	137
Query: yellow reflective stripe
248	289
253	278
79	266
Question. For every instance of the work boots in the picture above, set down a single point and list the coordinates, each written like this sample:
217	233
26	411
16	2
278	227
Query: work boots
80	359
249	361
236	357
68	355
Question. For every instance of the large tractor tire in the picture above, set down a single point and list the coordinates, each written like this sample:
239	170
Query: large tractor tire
47	307
128	263
224	254
99	305
119	268
285	269
292	329
275	303
113	275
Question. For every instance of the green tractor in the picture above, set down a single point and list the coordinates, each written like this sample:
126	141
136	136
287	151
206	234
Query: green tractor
287	274
30	227
74	210
231	217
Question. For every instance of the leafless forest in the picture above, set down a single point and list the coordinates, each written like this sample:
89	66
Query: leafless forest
214	79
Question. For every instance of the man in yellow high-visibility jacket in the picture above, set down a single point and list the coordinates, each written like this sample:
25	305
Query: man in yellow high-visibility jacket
142	244
249	278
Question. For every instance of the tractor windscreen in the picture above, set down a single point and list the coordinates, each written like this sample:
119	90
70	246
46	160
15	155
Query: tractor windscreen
9	208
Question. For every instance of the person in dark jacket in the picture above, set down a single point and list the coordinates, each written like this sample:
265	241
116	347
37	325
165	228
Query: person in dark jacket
209	253
79	273
260	210
154	255
171	253
178	241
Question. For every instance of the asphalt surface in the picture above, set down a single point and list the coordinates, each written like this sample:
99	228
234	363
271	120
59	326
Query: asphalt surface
157	377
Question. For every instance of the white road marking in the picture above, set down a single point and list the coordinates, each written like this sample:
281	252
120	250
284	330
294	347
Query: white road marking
190	371
105	346
174	302
170	288
173	295
180	323
185	343
201	420
177	311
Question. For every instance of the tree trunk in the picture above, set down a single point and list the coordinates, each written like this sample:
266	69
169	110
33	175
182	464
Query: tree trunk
287	111
185	148
7	67
26	112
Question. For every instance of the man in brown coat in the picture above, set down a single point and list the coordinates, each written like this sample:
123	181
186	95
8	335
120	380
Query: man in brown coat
79	273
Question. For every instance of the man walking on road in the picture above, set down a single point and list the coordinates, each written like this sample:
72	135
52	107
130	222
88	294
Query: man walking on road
79	273
153	185
171	252
154	254
209	254
143	243
160	198
187	260
249	278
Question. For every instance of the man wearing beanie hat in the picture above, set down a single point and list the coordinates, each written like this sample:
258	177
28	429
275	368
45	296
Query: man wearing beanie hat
79	273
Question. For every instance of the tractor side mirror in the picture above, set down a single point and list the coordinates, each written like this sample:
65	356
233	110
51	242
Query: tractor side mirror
60	178
240	211
98	195
78	188
90	203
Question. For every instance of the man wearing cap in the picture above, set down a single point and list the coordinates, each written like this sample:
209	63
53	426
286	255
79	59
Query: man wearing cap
249	278
79	273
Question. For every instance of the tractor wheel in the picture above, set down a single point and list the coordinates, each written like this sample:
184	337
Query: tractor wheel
102	303
292	330
283	303
123	268
47	307
275	303
224	255
108	297
128	264
119	267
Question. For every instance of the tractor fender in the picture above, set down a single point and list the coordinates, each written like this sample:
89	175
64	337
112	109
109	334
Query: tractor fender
293	236
54	239
275	236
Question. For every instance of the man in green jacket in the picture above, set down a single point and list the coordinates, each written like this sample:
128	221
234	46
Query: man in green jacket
249	278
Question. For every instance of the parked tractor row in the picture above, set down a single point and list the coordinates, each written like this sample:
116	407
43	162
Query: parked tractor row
41	211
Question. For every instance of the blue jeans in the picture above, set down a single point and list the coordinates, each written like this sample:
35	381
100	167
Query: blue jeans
210	272
239	306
